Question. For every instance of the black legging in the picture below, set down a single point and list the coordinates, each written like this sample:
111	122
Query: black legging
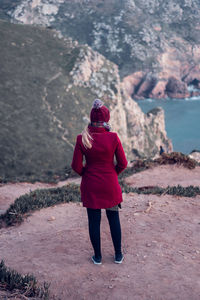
94	220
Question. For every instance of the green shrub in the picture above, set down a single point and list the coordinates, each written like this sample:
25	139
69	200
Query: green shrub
24	284
39	199
189	191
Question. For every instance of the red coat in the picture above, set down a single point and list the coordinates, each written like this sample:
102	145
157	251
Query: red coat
99	186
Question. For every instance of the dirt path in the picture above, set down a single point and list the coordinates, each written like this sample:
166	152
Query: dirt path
166	175
161	243
11	191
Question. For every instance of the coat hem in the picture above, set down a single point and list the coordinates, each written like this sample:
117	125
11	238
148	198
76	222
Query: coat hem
85	205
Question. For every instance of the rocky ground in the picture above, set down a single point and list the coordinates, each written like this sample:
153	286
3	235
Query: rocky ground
161	244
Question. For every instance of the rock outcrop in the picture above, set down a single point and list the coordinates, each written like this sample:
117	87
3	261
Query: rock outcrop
47	88
195	154
141	134
173	79
160	39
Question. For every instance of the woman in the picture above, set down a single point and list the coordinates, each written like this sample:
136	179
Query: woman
99	186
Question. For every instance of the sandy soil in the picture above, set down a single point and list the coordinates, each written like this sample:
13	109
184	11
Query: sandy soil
165	175
161	243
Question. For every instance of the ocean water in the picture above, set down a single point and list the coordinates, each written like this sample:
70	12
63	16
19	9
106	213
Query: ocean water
182	121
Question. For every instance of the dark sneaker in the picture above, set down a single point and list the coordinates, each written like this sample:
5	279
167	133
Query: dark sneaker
96	261
119	258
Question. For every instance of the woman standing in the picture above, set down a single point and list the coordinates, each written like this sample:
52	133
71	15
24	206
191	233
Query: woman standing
99	186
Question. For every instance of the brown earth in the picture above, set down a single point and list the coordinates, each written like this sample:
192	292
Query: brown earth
165	175
161	243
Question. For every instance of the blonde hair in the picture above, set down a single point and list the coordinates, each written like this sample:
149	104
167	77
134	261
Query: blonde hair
86	138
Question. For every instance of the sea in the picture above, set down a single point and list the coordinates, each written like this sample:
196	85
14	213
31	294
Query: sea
182	121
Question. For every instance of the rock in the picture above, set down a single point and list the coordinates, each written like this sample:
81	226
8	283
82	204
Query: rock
141	134
158	92
176	89
193	77
52	218
132	81
195	154
146	87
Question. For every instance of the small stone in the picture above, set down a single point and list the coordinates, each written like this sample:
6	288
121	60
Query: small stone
52	218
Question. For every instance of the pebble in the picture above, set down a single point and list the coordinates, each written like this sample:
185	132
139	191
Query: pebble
52	218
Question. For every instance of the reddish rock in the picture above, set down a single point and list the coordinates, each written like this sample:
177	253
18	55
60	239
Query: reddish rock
146	87
176	88
158	91
172	79
193	77
132	81
140	85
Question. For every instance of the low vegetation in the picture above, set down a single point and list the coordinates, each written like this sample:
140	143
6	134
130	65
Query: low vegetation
24	285
45	176
24	205
39	104
189	191
38	199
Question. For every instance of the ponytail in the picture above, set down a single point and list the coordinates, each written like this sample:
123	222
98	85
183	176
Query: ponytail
86	138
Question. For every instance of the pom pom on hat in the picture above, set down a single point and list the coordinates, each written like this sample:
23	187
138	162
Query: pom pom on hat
99	112
97	104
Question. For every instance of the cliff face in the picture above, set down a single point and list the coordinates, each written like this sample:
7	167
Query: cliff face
141	134
159	39
46	91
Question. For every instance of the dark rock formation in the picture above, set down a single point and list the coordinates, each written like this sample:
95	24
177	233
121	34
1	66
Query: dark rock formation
175	88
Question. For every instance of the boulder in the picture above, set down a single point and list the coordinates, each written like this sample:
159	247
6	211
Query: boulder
176	88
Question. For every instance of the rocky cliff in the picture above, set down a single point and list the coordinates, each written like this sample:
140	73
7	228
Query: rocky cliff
141	134
46	90
155	43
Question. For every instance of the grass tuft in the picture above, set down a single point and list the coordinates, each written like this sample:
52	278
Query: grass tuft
36	200
189	191
25	285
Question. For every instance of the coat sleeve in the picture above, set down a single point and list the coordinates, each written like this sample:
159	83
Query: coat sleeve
77	161
120	157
